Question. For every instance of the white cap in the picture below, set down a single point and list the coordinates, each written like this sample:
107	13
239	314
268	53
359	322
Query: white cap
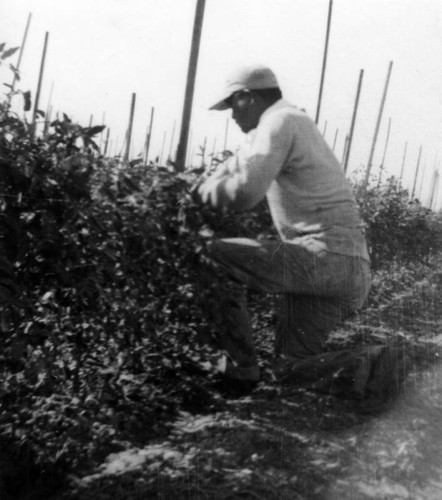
246	77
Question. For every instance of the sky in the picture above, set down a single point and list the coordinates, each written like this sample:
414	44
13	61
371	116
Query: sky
102	51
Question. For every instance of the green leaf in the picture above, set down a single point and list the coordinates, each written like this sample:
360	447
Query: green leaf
40	113
9	53
27	99
15	71
2	46
91	131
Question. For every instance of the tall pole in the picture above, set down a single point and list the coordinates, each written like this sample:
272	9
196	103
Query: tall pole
324	61
203	151
416	173
171	140
47	121
403	161
106	142
226	133
353	119
335	139
376	130
433	185
421	184
190	85
189	149
48	107
344	153
20	55
162	147
129	129
148	137
40	80
385	152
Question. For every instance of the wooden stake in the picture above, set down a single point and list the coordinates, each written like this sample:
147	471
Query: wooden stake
325	129
129	129
416	173
403	161
20	55
335	139
203	151
190	85
40	80
344	153
47	120
189	150
226	133
353	120
419	192
324	62
106	142
376	130
91	119
148	137
162	147
171	140
381	169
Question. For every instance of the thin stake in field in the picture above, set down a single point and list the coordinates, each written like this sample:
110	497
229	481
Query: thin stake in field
162	148
324	61
190	85
39	84
344	152
20	55
335	139
376	130
353	120
421	184
148	137
416	172
382	166
226	134
171	141
403	162
129	129
48	108
106	142
203	151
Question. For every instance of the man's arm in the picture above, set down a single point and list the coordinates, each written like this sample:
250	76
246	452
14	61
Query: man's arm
245	188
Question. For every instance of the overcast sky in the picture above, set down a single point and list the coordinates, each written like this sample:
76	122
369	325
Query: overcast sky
100	51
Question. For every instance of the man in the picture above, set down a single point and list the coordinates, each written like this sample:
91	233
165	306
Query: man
319	265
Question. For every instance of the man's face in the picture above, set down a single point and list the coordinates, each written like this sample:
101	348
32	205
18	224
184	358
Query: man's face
244	111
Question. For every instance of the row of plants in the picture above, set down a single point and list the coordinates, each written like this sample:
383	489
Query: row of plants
100	319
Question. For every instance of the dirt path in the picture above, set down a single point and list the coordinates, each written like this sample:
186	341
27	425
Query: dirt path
287	444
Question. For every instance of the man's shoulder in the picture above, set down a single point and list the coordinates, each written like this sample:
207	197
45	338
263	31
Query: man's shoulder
283	111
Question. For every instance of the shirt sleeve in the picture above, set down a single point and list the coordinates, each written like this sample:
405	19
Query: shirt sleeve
245	188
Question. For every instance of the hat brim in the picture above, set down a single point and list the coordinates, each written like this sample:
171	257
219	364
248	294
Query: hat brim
221	105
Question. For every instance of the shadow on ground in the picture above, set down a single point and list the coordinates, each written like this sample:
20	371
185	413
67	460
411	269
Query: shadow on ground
287	444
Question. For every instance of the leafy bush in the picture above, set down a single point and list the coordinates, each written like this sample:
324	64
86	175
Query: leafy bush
100	318
397	228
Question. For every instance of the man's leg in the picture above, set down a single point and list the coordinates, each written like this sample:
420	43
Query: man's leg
317	293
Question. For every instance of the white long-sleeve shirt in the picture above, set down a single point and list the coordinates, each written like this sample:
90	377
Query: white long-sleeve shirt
289	162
